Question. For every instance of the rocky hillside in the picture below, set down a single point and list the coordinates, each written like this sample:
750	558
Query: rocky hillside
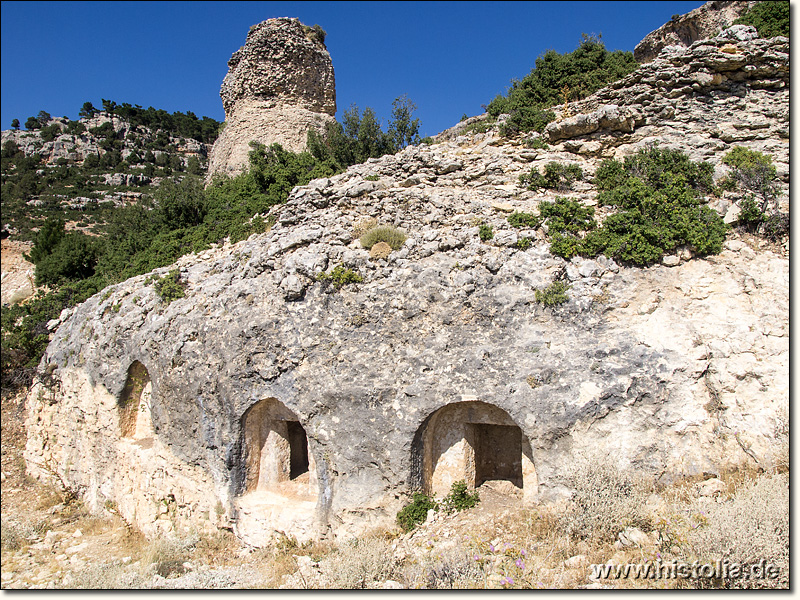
673	370
79	168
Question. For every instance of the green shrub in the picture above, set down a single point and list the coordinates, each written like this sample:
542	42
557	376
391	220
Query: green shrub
24	328
523	220
524	243
553	295
340	276
74	257
658	194
169	287
537	143
47	238
567	215
555	78
416	512
371	178
383	233
754	173
485	232
50	132
480	126
556	176
459	498
769	18
526	118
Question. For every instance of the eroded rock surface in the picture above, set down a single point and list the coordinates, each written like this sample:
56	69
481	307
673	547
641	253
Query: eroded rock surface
676	369
279	84
683	30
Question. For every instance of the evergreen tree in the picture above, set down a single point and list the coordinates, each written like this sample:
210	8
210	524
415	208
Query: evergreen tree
87	110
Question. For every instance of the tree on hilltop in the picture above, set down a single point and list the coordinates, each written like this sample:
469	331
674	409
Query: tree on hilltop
402	128
87	110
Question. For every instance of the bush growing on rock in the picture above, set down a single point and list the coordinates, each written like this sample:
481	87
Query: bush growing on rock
340	276
416	511
522	219
769	18
658	194
556	176
459	498
754	173
384	233
553	295
169	287
485	232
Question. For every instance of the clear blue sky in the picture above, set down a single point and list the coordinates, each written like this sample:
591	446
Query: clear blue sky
448	57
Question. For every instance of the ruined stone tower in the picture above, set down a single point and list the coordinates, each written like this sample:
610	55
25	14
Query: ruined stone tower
279	84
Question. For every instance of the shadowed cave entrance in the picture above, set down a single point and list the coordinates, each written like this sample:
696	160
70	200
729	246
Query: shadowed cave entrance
475	442
280	488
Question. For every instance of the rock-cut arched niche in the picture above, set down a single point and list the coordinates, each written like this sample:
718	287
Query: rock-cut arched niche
475	442
279	490
276	451
135	404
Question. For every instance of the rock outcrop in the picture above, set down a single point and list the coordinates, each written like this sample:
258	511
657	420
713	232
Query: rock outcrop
272	401
683	30
279	85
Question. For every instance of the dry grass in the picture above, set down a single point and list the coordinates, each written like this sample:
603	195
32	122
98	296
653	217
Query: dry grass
750	526
362	226
605	501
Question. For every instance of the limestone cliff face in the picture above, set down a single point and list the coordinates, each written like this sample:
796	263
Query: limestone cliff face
279	84
404	380
701	23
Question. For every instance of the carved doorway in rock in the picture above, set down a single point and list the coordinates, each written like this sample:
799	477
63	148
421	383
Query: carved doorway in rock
135	404
280	488
475	442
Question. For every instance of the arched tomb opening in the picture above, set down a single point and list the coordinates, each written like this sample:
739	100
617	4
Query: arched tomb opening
280	488
475	442
135	404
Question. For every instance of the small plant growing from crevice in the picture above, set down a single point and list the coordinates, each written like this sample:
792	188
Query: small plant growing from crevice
416	512
554	294
340	277
523	243
485	232
371	178
169	287
459	498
